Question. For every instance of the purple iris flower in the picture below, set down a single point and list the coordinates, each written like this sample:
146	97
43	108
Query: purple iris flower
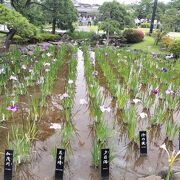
164	69
95	73
169	91
155	91
12	108
92	61
45	46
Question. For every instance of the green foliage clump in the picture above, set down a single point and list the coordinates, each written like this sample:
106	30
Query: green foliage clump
145	25
171	19
175	48
158	35
114	17
39	37
45	36
165	42
133	35
111	26
32	10
18	39
60	13
115	11
14	20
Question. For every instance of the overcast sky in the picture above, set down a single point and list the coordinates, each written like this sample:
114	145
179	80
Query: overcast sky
121	1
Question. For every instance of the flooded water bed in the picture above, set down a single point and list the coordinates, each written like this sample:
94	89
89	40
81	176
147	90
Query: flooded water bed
52	114
127	163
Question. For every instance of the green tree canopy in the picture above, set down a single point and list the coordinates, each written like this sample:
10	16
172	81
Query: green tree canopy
115	11
171	19
161	8
31	9
15	23
174	4
144	9
61	13
110	26
114	18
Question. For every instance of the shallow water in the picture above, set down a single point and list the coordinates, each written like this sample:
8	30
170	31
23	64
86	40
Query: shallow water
80	162
128	164
45	136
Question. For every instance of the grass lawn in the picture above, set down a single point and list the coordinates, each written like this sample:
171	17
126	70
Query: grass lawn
147	45
177	38
93	28
2	35
145	30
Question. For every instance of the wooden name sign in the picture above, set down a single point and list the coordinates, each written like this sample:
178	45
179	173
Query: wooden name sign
59	164
143	142
8	164
105	163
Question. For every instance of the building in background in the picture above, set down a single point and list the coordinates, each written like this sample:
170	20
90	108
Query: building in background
86	9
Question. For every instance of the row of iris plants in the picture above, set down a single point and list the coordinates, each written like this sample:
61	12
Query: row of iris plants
152	85
22	135
68	129
67	100
21	75
140	85
100	130
120	93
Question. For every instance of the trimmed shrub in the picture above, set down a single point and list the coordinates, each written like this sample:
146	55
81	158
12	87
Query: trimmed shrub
158	35
166	41
19	40
133	35
81	35
39	37
15	20
175	48
45	36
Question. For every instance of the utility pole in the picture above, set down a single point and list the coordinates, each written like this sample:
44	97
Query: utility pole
153	16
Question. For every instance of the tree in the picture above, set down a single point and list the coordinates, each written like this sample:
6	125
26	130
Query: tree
32	10
16	24
110	27
174	4
114	17
61	13
171	19
161	8
115	11
171	16
144	9
153	16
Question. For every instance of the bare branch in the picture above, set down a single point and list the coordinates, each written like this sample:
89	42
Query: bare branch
39	4
4	32
28	3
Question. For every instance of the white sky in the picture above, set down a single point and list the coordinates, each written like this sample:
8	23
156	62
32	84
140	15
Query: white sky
121	1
